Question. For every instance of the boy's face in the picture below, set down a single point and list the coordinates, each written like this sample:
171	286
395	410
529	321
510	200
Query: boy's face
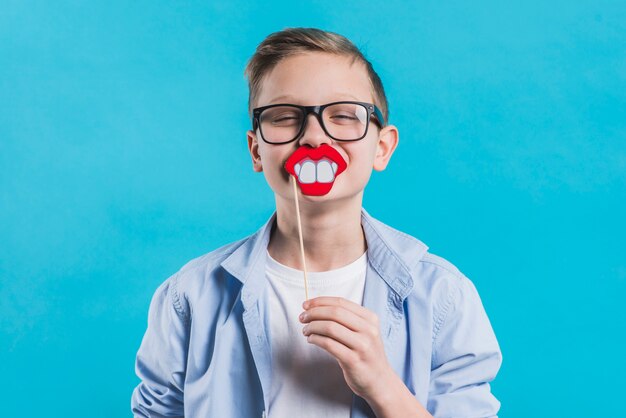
315	79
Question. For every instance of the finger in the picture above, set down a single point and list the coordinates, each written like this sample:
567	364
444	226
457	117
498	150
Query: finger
341	315
336	331
339	351
342	302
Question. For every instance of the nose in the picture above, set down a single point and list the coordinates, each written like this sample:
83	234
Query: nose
313	134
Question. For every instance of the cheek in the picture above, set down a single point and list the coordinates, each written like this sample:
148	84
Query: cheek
273	162
362	157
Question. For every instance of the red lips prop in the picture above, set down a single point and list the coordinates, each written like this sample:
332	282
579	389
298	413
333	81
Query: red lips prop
315	169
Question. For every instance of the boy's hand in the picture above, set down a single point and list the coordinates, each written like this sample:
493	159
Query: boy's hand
350	333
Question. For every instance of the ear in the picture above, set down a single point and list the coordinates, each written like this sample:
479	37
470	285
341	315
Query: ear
253	147
387	143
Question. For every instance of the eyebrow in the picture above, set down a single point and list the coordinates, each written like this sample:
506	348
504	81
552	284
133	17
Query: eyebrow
290	97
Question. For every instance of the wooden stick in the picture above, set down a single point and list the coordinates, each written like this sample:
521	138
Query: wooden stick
295	196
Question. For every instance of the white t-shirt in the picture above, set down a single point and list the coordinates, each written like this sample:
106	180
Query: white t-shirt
306	380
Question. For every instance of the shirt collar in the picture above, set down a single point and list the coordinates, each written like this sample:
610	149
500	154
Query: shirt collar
393	254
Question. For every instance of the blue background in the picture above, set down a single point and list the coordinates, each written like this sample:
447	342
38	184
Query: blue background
119	119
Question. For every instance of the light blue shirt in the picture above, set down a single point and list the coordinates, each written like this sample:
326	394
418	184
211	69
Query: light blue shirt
206	350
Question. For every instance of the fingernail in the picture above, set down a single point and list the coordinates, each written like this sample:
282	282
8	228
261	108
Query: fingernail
302	316
305	304
305	329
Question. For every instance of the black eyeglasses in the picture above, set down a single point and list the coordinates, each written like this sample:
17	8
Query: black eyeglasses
342	121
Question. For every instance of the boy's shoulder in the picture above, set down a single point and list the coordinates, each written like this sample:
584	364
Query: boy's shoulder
437	282
427	270
214	257
441	264
414	252
199	279
433	276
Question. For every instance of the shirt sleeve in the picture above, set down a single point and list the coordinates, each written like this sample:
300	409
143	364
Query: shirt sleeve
466	357
162	357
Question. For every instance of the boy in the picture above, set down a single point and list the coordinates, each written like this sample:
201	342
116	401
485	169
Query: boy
389	330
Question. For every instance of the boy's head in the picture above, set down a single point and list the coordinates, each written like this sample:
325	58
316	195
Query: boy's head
293	41
305	67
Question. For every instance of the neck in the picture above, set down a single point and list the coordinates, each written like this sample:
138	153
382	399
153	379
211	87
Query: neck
332	234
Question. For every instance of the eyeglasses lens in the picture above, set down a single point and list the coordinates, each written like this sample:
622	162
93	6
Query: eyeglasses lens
343	121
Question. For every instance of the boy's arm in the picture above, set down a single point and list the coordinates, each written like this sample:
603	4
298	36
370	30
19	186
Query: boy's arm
162	356
466	357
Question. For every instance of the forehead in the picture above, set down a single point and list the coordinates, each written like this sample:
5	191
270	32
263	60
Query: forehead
315	78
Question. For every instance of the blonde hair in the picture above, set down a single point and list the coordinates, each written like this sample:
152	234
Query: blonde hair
292	41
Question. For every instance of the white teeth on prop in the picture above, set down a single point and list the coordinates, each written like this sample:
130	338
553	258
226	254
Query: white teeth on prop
324	172
307	173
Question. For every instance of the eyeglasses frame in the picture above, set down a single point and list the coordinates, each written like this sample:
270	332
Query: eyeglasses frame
371	109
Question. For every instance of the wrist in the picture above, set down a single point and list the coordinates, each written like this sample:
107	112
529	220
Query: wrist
385	394
393	399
